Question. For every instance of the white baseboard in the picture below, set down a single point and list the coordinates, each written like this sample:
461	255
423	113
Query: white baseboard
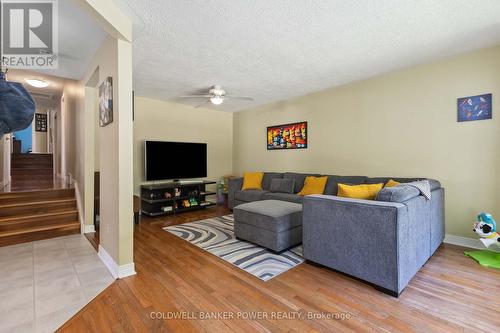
87	228
464	241
126	270
118	272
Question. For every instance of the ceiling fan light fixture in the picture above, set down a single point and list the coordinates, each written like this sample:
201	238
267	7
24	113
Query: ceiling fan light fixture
217	100
37	83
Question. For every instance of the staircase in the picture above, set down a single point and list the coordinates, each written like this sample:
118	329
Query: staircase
33	215
31	171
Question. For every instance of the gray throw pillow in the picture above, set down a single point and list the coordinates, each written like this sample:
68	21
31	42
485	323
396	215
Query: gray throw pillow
282	185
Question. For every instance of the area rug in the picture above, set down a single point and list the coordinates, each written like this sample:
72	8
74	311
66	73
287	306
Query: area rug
216	235
485	258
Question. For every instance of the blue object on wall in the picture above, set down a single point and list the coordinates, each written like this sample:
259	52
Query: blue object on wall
26	137
474	108
17	107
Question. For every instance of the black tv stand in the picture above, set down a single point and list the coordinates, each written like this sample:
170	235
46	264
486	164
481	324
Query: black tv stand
176	197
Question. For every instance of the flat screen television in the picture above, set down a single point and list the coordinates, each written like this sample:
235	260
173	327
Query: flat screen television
175	160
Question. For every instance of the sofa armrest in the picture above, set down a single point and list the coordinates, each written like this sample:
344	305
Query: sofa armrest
235	184
362	238
398	194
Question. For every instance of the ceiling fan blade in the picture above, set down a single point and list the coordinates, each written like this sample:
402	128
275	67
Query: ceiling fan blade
195	96
241	98
197	106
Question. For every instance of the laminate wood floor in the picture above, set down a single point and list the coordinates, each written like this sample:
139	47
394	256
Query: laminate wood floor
178	286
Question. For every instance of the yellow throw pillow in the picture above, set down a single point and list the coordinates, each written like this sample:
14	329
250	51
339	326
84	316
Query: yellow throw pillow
391	183
252	180
364	191
313	185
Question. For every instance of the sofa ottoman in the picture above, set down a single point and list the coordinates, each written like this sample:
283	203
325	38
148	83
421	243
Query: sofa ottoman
273	224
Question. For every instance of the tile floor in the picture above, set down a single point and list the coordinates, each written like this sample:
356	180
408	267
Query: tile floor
44	283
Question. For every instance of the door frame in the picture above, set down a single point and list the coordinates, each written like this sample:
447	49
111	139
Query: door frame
62	133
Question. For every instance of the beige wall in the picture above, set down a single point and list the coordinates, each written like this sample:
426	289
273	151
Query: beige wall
113	59
164	121
97	139
399	124
72	129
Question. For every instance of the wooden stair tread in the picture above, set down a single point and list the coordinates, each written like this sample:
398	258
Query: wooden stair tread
72	225
31	155
37	211
30	203
44	166
66	191
44	169
14	219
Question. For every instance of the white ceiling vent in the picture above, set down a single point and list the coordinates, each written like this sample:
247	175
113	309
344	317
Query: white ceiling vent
41	95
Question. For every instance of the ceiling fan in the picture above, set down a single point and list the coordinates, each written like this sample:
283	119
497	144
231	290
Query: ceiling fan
216	95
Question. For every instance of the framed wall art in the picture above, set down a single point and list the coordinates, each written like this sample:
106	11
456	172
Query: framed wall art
40	122
287	136
474	108
106	102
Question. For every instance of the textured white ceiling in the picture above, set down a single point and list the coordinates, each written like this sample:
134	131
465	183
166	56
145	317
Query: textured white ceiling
79	38
275	50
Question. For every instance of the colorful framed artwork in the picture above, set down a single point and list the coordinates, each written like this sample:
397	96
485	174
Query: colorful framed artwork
287	136
474	108
106	102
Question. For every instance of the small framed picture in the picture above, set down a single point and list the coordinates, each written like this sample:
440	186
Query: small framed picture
106	102
474	108
40	122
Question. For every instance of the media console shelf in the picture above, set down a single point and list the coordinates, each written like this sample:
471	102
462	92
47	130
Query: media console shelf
175	197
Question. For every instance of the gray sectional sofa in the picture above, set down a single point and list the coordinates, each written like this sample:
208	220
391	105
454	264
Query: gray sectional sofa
383	241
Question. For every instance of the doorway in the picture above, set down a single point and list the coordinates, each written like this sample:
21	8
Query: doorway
23	140
34	152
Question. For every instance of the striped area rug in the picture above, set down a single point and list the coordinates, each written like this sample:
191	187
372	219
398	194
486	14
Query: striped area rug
216	235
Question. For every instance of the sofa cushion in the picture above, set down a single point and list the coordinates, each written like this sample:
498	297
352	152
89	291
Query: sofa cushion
376	180
282	185
331	187
314	185
432	182
361	191
398	193
391	183
250	195
284	197
252	181
299	179
268	178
